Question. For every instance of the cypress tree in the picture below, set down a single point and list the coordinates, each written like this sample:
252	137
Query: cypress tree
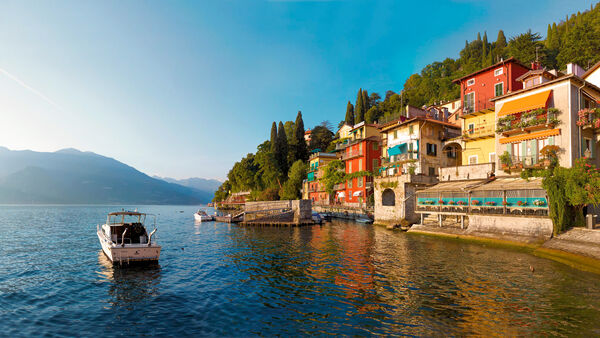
300	143
274	137
366	102
484	53
549	36
478	36
349	113
359	114
500	44
282	144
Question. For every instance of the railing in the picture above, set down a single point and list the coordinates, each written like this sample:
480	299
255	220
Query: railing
351	154
481	131
528	161
447	134
478	104
340	186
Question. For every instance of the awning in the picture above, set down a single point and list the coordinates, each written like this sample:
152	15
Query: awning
531	136
397	150
357	193
535	101
310	176
341	194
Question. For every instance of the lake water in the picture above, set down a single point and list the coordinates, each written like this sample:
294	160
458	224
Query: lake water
218	279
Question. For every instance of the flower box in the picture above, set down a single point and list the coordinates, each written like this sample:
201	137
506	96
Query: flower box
451	202
539	203
521	203
475	202
441	202
490	203
462	203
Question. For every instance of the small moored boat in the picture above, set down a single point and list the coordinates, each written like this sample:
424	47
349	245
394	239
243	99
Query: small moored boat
124	238
202	216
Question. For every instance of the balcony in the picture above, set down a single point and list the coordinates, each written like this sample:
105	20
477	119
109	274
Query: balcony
340	186
352	154
479	132
535	161
478	105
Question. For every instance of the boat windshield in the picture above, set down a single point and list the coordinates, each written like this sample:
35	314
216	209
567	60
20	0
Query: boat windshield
123	219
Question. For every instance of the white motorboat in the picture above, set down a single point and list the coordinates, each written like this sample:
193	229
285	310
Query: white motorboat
202	216
124	238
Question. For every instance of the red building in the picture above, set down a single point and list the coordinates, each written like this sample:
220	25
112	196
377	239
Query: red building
360	155
476	89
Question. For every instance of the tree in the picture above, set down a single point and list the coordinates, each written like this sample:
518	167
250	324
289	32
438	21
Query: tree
299	142
366	103
374	99
334	174
289	130
291	188
372	115
282	144
523	47
349	114
359	108
274	137
500	45
320	138
223	192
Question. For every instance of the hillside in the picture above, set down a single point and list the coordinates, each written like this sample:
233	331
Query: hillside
75	177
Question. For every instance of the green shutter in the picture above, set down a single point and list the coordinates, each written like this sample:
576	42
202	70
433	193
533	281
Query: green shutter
509	148
534	150
523	149
551	140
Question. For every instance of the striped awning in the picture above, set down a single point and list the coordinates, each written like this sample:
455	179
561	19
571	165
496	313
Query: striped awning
531	136
535	101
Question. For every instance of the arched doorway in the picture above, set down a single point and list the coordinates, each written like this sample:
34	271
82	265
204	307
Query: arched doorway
388	198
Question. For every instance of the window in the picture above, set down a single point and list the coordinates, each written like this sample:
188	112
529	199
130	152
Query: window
410	130
431	149
499	89
350	167
359	182
395	134
431	171
360	168
451	152
350	184
492	157
469	102
470	82
498	72
360	148
471	128
587	145
375	163
375	145
542	143
516	149
473	159
388	198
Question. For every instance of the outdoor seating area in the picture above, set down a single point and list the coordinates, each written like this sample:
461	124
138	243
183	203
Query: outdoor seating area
504	196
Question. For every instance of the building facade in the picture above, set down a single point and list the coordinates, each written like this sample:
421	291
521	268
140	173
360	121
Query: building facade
316	189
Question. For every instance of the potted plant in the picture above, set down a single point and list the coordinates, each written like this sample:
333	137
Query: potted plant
462	203
451	202
475	202
539	203
490	203
505	203
441	202
505	159
522	203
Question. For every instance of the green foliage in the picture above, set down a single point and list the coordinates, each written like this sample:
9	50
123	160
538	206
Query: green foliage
300	143
334	174
282	148
523	47
321	138
274	137
359	108
569	191
349	114
291	188
505	158
388	185
223	192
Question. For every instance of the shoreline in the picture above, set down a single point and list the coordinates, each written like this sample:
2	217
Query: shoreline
560	249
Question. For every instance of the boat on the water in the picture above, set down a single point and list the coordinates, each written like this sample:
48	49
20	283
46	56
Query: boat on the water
124	238
364	220
202	216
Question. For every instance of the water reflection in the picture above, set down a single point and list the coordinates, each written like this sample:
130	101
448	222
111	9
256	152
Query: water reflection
129	285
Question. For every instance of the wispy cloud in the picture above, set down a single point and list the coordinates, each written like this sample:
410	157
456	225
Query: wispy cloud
31	89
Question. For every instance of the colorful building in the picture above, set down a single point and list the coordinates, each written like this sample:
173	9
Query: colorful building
478	117
360	155
415	145
545	113
316	188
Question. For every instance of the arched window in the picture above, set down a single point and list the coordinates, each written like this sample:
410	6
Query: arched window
388	198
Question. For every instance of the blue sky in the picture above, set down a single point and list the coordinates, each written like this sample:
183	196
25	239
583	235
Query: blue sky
185	89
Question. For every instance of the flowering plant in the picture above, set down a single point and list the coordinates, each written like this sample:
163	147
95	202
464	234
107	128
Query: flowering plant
441	202
451	202
462	202
490	203
505	203
521	203
475	202
539	203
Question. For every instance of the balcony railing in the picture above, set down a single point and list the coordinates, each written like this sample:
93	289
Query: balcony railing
480	131
340	186
352	154
527	161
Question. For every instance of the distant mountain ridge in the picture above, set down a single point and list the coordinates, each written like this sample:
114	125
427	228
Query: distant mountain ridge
70	176
203	184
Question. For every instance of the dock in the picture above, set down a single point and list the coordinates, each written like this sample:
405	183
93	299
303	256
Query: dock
287	213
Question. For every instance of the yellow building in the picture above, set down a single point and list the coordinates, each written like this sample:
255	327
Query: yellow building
479	137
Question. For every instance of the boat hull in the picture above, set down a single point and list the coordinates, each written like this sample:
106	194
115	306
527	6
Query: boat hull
130	252
205	218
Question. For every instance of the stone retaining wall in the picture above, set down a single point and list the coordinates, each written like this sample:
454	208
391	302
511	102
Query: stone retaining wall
535	227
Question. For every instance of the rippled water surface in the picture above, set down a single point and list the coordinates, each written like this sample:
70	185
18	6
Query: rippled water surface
220	279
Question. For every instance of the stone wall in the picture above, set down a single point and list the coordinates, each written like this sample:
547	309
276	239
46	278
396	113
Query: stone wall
535	227
404	188
301	209
467	172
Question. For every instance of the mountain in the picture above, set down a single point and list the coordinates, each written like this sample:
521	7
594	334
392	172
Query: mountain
203	184
70	176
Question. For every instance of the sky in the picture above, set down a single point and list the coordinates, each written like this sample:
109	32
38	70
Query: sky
186	88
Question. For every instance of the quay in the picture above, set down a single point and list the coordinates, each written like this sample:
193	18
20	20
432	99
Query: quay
288	213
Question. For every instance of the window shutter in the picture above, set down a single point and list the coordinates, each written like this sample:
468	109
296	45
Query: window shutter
523	149
534	150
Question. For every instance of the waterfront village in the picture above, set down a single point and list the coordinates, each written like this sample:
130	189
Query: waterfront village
464	167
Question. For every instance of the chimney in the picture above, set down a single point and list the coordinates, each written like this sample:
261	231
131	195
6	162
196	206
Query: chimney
535	65
573	68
